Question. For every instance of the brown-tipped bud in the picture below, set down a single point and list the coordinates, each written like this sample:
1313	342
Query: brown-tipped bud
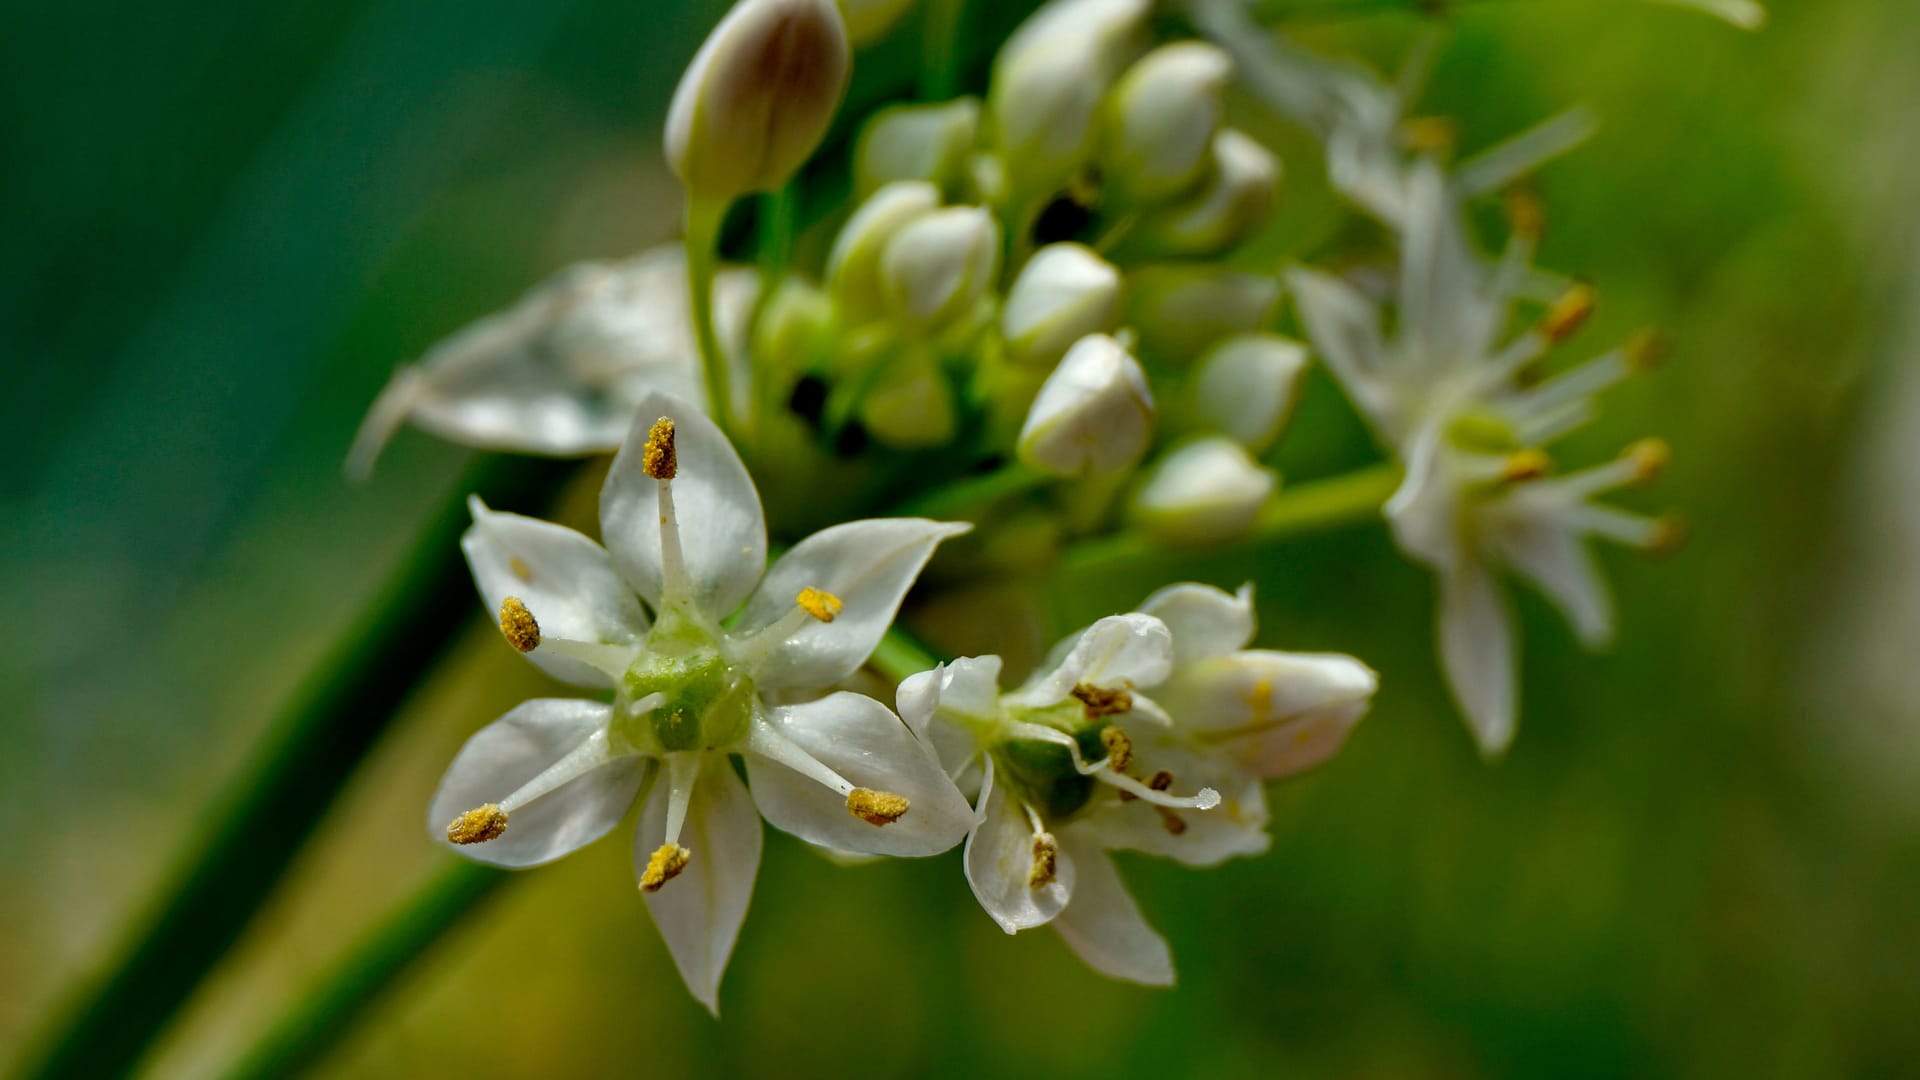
1046	861
663	866
876	807
1567	314
1646	350
518	625
1119	748
1523	465
477	826
1650	458
658	457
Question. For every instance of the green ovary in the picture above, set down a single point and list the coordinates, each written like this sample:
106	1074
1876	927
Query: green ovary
708	704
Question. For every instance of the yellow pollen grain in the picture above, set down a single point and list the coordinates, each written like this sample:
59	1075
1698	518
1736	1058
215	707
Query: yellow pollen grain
519	568
478	825
818	603
1046	861
657	458
876	807
1119	748
1645	350
1650	458
1525	465
1567	314
1102	702
518	625
663	866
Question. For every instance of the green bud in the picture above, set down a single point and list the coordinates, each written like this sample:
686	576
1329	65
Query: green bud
869	20
1181	310
853	266
910	407
918	142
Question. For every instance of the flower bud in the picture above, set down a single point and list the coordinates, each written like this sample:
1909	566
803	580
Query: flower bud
1064	293
940	264
1203	492
1094	413
869	20
1232	204
1048	81
918	142
910	407
794	324
1180	310
757	98
1245	387
853	266
1161	119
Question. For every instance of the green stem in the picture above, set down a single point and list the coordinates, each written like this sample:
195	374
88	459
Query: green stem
951	500
301	1037
703	244
258	825
940	46
1315	506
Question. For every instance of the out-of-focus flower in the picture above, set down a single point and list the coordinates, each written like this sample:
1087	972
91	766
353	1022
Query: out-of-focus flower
562	370
685	537
1245	387
1093	414
940	265
1230	206
933	143
1048	81
1161	120
1063	293
1201	492
1180	310
758	97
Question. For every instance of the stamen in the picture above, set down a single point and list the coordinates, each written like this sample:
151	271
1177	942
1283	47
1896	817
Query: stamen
1161	781
1119	748
1429	134
518	625
478	825
1645	350
1525	465
766	741
1172	822
818	603
1046	861
876	807
683	770
1668	535
1526	213
663	866
1101	701
658	457
1204	799
1649	458
593	752
1567	314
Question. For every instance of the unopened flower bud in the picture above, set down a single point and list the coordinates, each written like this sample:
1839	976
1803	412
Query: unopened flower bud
1180	310
869	20
1064	293
1161	119
1048	81
918	142
794	324
940	264
757	98
853	266
910	407
1245	387
1094	413
1203	492
1230	206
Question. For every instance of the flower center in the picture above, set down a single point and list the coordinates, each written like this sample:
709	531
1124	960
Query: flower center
692	698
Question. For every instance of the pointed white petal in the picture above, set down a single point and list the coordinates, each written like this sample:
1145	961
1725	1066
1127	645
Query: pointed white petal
868	566
566	580
1204	621
1263	688
1237	826
863	741
1119	651
1440	294
1104	926
1477	651
722	531
967	686
514	749
1344	328
1000	864
699	912
1557	562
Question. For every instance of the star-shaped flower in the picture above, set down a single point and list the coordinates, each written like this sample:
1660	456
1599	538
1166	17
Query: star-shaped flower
686	541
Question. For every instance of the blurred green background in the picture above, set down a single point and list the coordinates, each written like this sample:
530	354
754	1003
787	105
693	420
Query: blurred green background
225	224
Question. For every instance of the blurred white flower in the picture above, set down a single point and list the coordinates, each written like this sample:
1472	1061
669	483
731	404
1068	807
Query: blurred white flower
940	265
1048	81
853	266
930	142
1063	293
1245	387
1160	121
684	535
1093	414
1182	309
1229	206
1205	491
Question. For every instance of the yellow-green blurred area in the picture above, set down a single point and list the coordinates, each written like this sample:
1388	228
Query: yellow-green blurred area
225	223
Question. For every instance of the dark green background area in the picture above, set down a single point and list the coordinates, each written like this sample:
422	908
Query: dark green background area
225	223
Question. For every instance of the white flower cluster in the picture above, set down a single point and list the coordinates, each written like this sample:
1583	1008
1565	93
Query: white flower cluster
1053	287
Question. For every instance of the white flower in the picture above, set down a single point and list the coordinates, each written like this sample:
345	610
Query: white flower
1048	80
1063	293
758	97
685	538
1161	120
1246	385
1093	414
562	370
1204	491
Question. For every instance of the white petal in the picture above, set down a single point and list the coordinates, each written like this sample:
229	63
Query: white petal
1000	863
1263	688
1235	827
1344	328
722	532
1204	621
1477	651
1104	926
863	741
869	566
1131	650
1558	563
512	750
699	912
1440	295
968	686
566	580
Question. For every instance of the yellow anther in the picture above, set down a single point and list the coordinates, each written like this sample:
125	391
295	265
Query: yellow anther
876	807
1567	314
519	568
1668	535
1650	458
1645	350
1119	748
1525	465
478	825
518	625
1046	861
1102	702
657	457
663	866
1526	214
820	604
1429	134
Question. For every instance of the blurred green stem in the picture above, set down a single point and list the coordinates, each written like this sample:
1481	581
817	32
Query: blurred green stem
940	48
703	242
952	500
265	815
